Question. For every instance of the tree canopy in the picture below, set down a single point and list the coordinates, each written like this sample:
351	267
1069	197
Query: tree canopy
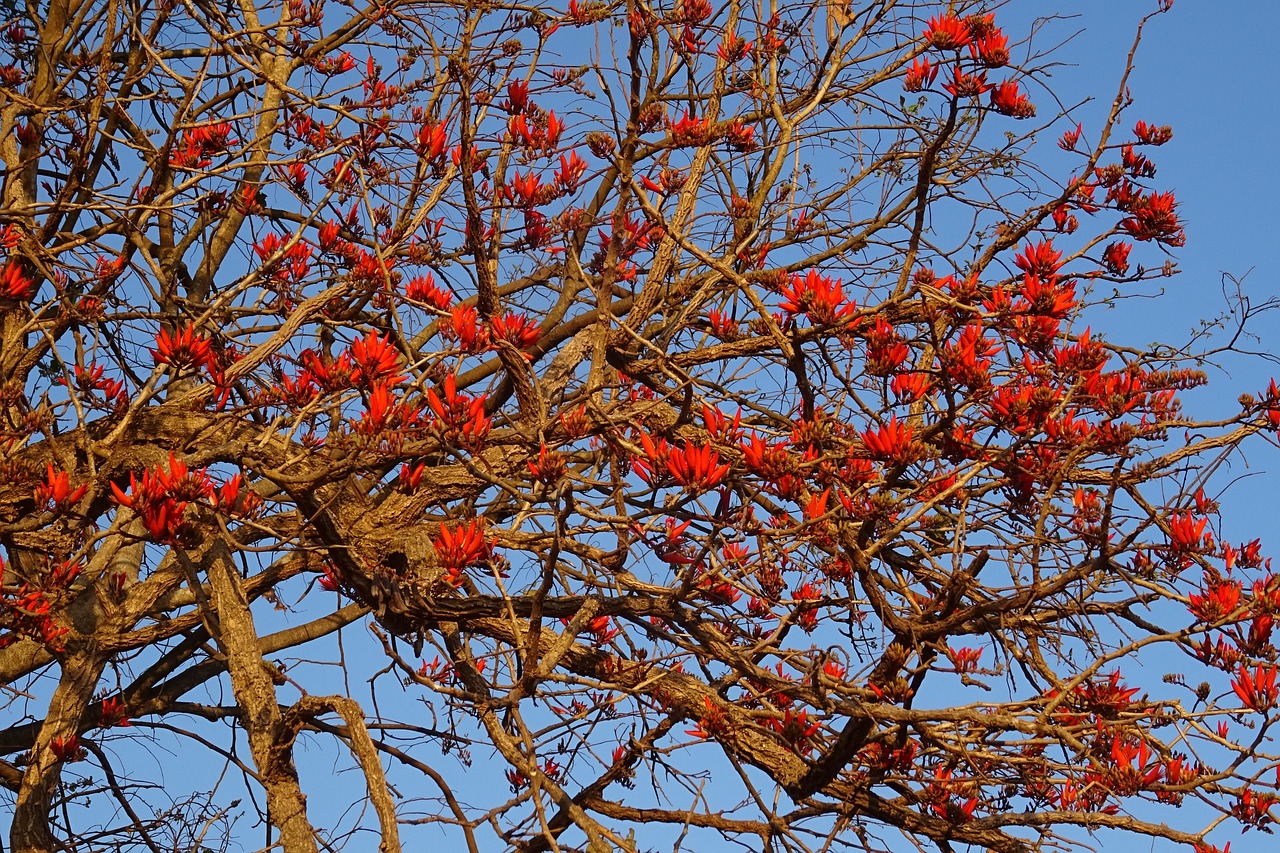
614	427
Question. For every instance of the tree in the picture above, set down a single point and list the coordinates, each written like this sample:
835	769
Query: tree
599	426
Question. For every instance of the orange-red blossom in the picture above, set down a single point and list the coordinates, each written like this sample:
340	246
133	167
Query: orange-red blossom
1257	690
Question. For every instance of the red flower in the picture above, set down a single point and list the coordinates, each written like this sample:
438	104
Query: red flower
550	136
1047	297
1064	221
462	418
160	498
330	581
183	483
328	236
1254	809
891	442
10	237
410	477
423	289
964	660
1039	259
329	374
1071	138
723	326
376	361
1137	165
384	416
734	48
807	592
113	713
575	423
472	156
1007	100
711	724
690	41
955	811
55	493
460	548
67	748
981	25
656	454
525	191
549	467
991	49
1257	690
820	297
920	75
967	358
1123	194
741	136
331	65
946	32
1154	218
184	348
230	499
463	326
909	387
816	507
517	96
964	85
641	23
571	168
1218	601
601	630
371	271
690	130
431	140
795	729
14	284
720	426
26	134
590	12
1187	536
1102	698
886	350
1116	258
516	329
1202	847
60	576
1149	134
1133	766
696	468
199	145
769	461
692	11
